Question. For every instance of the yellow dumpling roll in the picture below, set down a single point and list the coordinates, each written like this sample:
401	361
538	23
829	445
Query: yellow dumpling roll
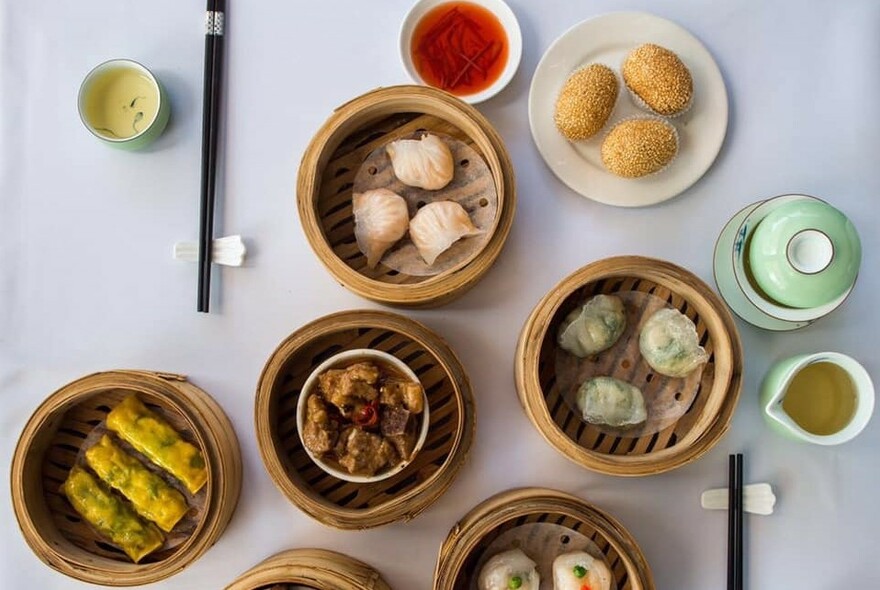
147	432
150	495
110	516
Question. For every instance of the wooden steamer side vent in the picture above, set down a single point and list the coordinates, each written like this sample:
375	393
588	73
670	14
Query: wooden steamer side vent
703	404
53	442
315	568
474	538
349	505
327	176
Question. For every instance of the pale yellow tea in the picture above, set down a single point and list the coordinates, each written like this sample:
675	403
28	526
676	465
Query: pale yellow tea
821	399
121	102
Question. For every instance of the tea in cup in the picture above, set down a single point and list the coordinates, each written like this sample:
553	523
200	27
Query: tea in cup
825	398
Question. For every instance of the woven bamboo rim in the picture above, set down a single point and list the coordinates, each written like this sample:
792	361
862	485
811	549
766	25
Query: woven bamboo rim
316	568
473	533
344	504
679	444
327	171
50	441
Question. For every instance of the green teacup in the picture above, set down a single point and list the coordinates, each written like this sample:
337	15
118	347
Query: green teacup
123	104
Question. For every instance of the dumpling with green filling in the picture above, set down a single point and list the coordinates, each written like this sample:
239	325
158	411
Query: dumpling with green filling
670	344
593	327
606	400
579	570
511	570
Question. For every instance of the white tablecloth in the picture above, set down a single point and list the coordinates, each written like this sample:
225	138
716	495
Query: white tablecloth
87	282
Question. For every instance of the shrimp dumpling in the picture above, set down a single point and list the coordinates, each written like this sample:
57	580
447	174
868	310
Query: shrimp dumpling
606	400
670	344
437	226
511	569
579	570
424	163
381	218
593	327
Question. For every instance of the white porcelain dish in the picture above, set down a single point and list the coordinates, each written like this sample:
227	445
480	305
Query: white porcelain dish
345	358
505	16
728	286
607	39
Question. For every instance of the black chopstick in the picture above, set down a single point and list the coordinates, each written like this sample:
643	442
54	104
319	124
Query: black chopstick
214	29
738	518
734	522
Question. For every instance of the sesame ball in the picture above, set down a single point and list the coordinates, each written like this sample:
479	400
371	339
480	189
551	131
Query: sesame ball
659	78
638	147
585	102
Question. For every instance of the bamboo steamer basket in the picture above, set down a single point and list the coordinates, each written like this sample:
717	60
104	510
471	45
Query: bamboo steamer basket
348	505
684	441
48	448
331	161
318	569
461	551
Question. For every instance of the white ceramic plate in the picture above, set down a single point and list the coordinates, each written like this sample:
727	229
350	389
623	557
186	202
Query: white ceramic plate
730	288
607	39
505	16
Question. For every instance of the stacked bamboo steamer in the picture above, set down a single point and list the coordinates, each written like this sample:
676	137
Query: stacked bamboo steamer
348	505
318	569
327	173
49	446
714	396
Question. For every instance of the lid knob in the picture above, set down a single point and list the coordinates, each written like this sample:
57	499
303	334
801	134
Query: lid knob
810	251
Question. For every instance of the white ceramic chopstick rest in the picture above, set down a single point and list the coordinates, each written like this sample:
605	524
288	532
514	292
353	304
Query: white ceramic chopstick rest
758	498
229	251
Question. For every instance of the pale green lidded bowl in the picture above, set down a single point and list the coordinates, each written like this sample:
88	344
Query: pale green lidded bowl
805	254
123	104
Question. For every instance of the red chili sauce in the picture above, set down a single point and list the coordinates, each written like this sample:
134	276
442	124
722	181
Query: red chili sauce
459	47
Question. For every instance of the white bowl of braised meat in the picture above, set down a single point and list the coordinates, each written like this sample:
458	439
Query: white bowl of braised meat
362	415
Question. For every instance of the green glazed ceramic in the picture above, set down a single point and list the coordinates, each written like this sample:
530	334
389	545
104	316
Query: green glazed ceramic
805	254
780	375
123	104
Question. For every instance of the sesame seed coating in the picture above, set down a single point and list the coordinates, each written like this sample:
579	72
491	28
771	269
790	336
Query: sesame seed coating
638	147
586	101
657	76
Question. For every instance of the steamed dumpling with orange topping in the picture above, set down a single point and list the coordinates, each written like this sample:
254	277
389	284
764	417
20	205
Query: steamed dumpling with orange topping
424	163
381	218
579	570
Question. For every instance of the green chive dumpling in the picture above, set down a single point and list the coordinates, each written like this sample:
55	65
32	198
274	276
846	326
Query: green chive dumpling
511	570
578	570
594	327
606	400
670	344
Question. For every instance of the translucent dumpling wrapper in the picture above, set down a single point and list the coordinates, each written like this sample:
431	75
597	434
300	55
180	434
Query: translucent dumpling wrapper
606	400
579	570
670	344
594	327
381	218
437	226
511	569
424	163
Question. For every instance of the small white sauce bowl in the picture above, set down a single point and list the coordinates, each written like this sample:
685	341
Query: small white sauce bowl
346	358
504	15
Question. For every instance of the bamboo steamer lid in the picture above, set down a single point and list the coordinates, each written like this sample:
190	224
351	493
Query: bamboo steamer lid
331	161
315	568
714	394
349	505
48	448
459	558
